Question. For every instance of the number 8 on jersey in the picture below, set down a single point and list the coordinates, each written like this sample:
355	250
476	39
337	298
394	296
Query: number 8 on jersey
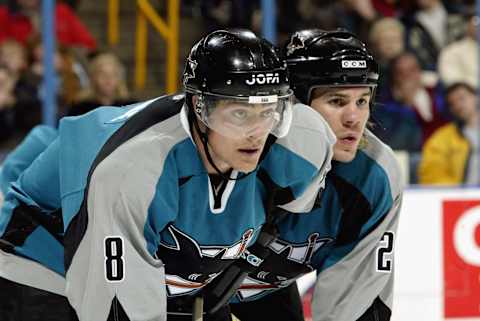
114	267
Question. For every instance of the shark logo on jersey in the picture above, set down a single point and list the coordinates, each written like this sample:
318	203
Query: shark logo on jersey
297	42
190	266
288	262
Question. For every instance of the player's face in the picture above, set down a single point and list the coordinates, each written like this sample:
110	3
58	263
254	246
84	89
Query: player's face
242	153
346	110
237	135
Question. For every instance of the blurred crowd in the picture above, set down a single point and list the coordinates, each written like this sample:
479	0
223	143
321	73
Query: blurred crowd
427	50
86	76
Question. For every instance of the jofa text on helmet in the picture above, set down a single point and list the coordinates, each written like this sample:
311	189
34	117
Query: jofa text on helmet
354	64
261	79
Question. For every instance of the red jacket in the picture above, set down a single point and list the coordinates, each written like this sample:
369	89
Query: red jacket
69	29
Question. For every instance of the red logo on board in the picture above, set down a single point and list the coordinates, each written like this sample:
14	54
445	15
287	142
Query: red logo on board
461	258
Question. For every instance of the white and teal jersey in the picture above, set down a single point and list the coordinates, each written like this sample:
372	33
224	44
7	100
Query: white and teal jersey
347	238
122	206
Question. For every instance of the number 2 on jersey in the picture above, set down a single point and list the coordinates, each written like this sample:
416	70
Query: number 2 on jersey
384	250
114	265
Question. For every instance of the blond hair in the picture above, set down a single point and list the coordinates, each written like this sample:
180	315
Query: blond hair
94	65
10	43
384	24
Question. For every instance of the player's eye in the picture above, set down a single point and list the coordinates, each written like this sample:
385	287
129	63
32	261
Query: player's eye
268	113
240	114
362	102
337	102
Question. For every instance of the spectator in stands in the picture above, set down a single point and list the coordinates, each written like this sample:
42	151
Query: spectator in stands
451	154
412	110
69	81
20	20
430	28
458	62
387	37
387	41
13	55
7	103
107	85
28	113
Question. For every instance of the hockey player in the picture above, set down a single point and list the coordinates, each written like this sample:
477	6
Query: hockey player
153	201
348	236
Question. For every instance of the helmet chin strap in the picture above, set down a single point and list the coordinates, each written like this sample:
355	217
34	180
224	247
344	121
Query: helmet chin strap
204	140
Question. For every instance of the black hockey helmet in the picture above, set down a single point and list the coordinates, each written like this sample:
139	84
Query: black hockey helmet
237	66
318	58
